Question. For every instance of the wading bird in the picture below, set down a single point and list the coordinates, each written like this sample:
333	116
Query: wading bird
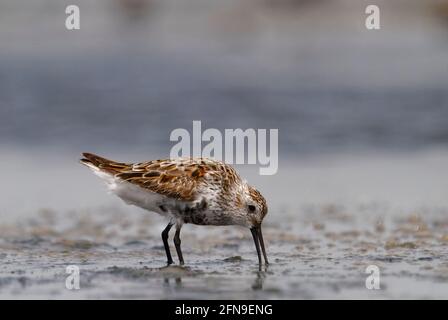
201	191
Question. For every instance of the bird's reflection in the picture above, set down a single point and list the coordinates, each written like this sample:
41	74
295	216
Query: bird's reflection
175	282
259	279
172	275
172	282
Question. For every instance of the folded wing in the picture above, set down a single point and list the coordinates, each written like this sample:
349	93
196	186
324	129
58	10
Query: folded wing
177	179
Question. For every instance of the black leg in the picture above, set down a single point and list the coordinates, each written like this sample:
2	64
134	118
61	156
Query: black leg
177	244
165	242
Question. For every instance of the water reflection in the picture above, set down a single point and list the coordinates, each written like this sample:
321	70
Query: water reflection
169	282
259	280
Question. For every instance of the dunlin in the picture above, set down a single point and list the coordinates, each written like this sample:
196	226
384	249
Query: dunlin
201	191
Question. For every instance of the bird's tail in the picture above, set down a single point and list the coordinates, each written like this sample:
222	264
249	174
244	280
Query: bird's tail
97	163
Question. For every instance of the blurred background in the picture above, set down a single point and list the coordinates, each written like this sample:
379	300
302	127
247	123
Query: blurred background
362	114
137	69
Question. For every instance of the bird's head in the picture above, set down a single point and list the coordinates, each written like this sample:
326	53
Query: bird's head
246	206
255	206
256	211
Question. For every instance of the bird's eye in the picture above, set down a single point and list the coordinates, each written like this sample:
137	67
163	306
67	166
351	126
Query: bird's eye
251	208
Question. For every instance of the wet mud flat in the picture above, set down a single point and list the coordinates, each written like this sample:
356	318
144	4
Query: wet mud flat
321	252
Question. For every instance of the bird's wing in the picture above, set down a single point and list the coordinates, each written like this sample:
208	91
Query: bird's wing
177	178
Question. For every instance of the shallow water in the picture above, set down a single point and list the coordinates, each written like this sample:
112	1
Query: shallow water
321	253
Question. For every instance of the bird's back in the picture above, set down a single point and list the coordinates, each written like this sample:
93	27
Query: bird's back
182	179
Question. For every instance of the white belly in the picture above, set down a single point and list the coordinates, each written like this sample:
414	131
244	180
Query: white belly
171	208
135	195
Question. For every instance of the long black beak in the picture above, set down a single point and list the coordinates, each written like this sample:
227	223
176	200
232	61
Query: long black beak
258	239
